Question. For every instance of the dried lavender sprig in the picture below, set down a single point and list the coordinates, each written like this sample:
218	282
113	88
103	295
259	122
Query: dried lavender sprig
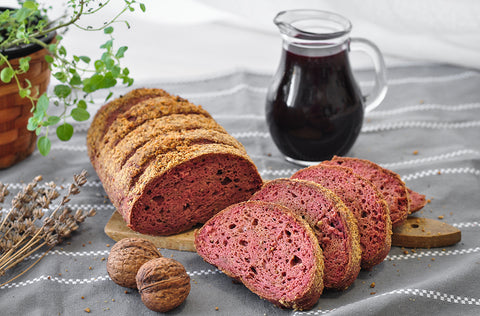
26	238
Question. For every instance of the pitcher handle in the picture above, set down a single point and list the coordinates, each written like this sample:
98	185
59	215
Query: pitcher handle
376	96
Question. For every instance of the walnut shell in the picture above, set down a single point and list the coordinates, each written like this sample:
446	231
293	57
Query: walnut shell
126	257
163	284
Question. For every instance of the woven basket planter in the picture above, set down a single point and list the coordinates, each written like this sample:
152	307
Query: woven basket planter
16	142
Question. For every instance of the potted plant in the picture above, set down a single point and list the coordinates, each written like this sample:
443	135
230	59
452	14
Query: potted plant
31	51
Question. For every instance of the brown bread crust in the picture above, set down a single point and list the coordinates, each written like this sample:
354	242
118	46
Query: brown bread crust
142	112
108	113
133	153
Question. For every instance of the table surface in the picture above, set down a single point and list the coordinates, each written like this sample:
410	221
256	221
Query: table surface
426	130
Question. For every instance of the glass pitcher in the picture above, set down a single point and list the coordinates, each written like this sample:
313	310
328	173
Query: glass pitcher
314	107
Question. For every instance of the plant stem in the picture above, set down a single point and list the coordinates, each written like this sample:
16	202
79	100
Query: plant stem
31	266
44	32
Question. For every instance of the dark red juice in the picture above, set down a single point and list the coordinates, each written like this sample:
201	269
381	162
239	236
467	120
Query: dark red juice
314	107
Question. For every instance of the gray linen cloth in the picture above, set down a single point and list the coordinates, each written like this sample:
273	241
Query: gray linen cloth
427	129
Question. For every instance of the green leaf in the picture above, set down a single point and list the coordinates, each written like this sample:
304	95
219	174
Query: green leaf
22	14
80	115
32	5
65	132
7	74
99	65
32	124
108	44
52	120
142	7
24	63
62	51
93	83
116	70
85	59
76	80
52	48
24	92
5	16
42	104
49	59
109	62
121	52
62	91
61	76
108	30
82	104
108	81
44	145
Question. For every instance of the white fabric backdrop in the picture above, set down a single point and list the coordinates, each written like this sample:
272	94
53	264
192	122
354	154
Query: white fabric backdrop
191	38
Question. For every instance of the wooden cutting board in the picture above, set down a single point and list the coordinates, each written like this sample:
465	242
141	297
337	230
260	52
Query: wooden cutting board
419	232
416	232
117	229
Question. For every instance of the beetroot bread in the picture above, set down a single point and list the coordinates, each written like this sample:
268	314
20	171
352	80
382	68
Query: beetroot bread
332	222
268	248
417	201
166	126
365	202
107	114
166	181
132	158
387	182
139	114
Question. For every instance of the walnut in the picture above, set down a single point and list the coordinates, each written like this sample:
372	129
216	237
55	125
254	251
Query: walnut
126	257
163	284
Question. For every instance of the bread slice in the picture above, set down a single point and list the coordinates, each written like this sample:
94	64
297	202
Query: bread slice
387	182
365	202
417	201
268	248
332	222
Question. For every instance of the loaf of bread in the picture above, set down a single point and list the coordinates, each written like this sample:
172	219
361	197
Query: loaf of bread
165	163
387	182
268	248
332	222
365	202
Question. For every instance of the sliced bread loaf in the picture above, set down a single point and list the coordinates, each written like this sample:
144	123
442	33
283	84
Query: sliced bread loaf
167	166
365	202
332	222
268	248
389	183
